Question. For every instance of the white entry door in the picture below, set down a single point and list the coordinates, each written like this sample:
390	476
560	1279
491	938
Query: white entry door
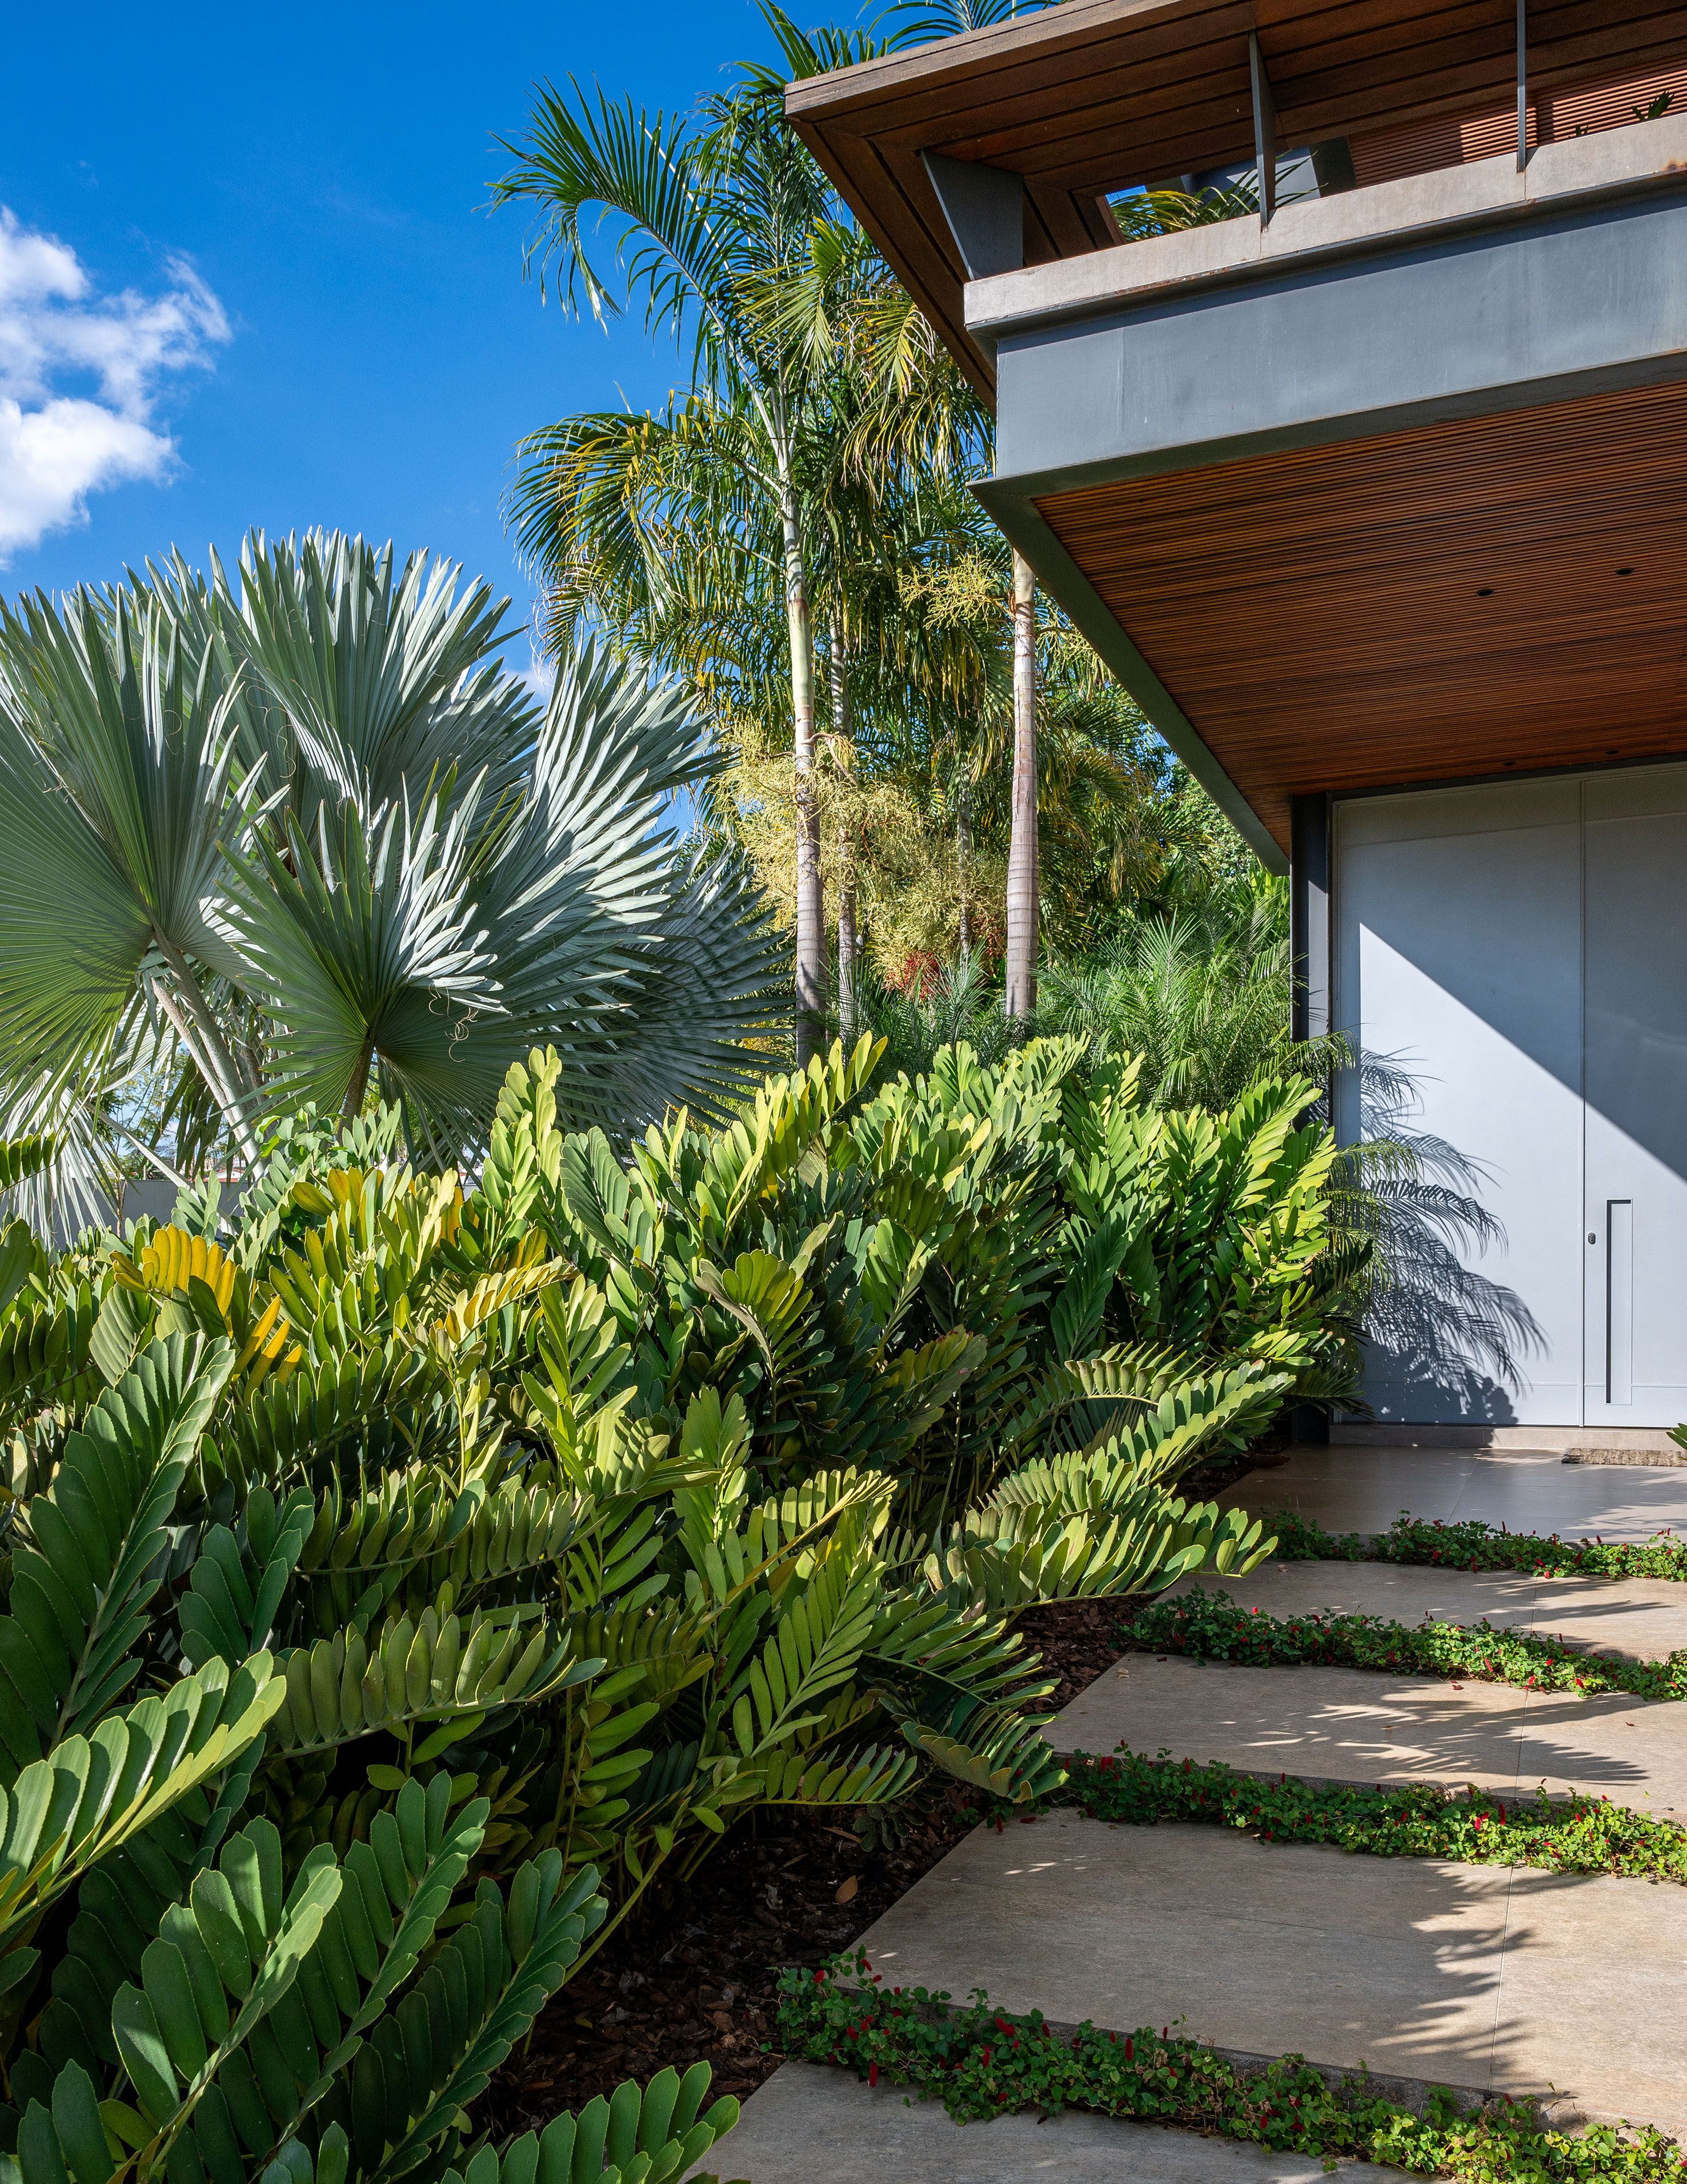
1512	961
1635	1014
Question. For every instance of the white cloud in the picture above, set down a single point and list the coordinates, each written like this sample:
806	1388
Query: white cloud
540	678
58	442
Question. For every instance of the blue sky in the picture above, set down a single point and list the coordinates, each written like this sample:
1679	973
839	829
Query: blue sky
248	277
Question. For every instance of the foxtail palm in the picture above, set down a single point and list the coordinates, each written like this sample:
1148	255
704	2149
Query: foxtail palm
1022	863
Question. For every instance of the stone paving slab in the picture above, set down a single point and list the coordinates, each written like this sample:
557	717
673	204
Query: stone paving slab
809	2124
1644	1618
1363	1489
1405	1592
1353	1725
1487	1977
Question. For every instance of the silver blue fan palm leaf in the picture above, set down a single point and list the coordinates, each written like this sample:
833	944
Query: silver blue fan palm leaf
440	945
300	830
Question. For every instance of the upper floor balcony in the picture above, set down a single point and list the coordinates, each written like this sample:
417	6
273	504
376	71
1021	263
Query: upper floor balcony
1385	481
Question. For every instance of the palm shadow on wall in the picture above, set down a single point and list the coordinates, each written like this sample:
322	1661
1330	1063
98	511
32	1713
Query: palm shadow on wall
1431	1321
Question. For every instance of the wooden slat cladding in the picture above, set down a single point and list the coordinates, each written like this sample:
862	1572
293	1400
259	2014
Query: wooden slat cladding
1583	111
1097	95
1432	604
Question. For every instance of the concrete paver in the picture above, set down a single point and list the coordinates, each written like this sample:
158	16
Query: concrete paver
1644	1618
1337	1724
1353	1725
1350	1489
1403	1592
1274	1947
1252	1946
1496	1978
809	2124
1590	1961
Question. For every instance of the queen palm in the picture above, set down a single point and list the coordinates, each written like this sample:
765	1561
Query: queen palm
307	834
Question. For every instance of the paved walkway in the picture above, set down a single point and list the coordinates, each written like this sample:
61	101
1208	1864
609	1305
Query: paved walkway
1564	1987
1364	1489
1643	1617
810	2125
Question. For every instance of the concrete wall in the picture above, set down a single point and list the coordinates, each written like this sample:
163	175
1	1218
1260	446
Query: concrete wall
1449	322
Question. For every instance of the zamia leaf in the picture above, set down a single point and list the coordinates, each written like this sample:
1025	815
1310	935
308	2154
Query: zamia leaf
80	1585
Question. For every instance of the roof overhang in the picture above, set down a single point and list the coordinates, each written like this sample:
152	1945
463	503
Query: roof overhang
1408	504
1392	489
1095	96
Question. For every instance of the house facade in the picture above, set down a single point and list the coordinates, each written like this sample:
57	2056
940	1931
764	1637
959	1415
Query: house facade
1377	503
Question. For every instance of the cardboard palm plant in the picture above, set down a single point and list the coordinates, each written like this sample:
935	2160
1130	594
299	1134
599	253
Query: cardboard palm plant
367	1653
396	1596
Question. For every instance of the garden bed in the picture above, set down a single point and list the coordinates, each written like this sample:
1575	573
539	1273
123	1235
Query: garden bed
697	1976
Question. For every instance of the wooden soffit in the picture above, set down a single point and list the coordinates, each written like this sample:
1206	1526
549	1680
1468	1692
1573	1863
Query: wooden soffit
1096	96
1458	600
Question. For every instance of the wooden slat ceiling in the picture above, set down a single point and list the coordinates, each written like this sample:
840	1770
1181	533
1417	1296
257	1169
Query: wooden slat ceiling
1421	606
1097	95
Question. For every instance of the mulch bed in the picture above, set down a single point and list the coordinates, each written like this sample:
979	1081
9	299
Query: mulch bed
694	1974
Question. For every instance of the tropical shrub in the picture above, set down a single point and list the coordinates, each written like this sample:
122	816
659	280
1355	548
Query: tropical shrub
948	1278
400	1586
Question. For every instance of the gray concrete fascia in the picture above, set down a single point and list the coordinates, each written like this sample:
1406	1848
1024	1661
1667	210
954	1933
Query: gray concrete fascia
1586	301
1312	230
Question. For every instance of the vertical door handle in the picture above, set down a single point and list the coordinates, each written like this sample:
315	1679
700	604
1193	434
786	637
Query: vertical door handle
1619	1300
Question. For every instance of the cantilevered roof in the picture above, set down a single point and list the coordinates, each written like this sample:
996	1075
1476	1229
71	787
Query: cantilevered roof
1096	96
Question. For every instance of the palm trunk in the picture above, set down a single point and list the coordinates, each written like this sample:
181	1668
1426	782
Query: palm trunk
843	752
1021	859
810	1027
207	1046
963	858
358	1083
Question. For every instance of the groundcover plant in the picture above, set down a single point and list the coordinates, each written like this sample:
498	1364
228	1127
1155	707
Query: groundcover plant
1475	1545
1210	1626
406	1580
1583	1834
982	2061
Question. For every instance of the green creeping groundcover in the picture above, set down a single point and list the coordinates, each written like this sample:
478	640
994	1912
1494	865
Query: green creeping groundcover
982	2062
1478	1546
1210	1626
1415	1820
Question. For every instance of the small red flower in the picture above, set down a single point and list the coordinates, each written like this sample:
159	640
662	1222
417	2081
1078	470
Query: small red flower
873	2074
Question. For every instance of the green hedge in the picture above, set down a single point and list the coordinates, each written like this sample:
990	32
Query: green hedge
1478	1546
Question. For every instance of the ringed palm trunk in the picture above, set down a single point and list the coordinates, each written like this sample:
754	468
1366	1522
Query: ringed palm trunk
963	858
843	752
811	1026
1022	859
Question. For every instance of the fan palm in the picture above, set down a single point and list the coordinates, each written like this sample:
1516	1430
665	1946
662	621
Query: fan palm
309	834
